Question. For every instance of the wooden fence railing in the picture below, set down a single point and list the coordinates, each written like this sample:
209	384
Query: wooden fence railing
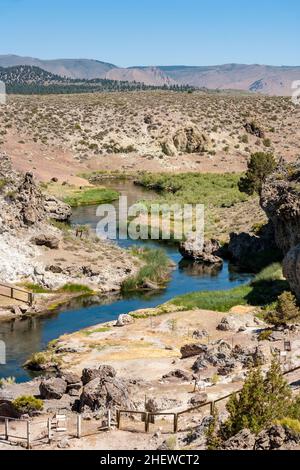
16	294
149	418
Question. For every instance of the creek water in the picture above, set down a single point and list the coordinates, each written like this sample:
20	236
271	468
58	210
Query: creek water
24	337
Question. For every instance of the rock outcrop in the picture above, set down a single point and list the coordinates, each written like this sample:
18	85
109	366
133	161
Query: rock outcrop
281	202
291	269
22	202
254	129
226	358
105	393
207	252
186	140
276	437
244	440
28	237
280	199
103	372
245	248
53	388
190	350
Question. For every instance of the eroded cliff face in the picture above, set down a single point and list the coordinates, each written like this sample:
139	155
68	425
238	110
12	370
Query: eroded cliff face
280	199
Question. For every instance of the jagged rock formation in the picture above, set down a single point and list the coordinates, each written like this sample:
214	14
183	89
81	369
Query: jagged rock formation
226	358
22	202
280	199
276	437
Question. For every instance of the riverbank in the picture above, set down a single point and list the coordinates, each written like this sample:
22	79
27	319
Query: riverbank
80	195
202	312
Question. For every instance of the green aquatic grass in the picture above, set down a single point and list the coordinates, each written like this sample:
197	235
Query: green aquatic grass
90	196
156	269
262	291
74	288
215	190
219	301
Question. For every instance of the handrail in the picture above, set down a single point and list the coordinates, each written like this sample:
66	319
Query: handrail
12	293
176	415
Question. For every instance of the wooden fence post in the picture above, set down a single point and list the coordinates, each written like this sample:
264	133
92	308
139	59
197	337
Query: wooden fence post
175	423
28	435
78	426
30	298
49	429
147	422
6	429
118	419
212	407
109	420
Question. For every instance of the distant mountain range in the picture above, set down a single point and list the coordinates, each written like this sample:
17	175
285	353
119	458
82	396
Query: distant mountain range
29	79
266	79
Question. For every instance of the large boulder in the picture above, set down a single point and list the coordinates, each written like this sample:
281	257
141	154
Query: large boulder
190	140
101	394
56	209
7	410
217	355
194	349
53	389
71	377
124	320
186	140
254	356
207	252
103	372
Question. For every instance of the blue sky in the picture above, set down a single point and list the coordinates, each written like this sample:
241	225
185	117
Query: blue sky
154	32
